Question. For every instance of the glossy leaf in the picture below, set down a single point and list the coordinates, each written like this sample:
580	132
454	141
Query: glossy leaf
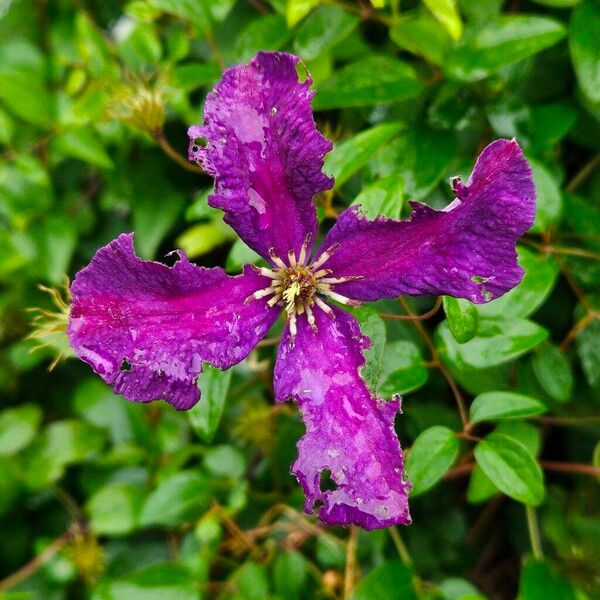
553	372
18	427
584	41
463	318
492	406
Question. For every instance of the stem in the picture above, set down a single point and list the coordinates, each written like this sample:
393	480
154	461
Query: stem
421	317
568	421
464	416
400	546
162	141
534	533
350	574
567	467
583	174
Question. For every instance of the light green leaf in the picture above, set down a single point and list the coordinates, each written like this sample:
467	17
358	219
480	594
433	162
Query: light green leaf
268	32
157	582
422	35
371	80
498	341
487	49
432	454
114	509
584	42
84	145
240	255
446	12
177	500
206	414
349	156
511	467
384	197
541	273
403	369
491	406
26	97
18	427
553	372
296	10
322	30
549	198
391	580
290	571
225	461
204	238
372	325
588	349
463	318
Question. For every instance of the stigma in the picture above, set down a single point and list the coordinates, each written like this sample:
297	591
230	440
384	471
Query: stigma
297	285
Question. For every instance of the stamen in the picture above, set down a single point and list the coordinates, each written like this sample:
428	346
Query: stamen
336	280
260	294
341	299
323	306
304	250
292	258
276	260
266	272
310	316
322	273
325	256
293	328
274	300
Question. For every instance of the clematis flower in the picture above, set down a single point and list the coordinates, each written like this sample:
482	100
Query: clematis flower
147	328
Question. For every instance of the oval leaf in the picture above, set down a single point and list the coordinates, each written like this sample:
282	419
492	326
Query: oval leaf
462	318
504	405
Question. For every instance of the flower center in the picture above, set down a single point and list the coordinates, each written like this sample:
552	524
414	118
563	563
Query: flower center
297	286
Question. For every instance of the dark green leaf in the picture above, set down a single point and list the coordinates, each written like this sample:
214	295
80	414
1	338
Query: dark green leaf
403	369
553	371
549	199
422	35
290	571
373	327
18	427
504	405
539	581
158	582
584	41
430	456
588	349
511	467
268	32
390	581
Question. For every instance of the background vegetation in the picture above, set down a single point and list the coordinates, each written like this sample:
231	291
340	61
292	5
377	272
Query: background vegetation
108	500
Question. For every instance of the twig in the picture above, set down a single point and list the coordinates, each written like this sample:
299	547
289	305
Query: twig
162	141
567	421
583	174
33	565
534	533
212	44
567	467
464	417
400	546
350	574
421	317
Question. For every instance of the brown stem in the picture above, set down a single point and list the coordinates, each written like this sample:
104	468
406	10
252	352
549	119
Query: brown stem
212	44
162	141
583	174
459	471
33	565
464	417
566	467
421	317
549	420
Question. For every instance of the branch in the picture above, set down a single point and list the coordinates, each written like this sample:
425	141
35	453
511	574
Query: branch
162	141
421	317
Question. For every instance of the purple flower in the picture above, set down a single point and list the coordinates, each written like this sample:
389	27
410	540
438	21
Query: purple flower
147	328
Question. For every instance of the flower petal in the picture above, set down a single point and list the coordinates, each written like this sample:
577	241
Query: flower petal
260	142
466	250
349	432
147	328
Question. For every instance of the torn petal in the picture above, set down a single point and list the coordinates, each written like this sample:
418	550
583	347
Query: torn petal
147	328
260	142
466	250
350	437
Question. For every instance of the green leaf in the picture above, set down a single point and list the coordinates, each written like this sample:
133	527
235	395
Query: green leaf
191	76
549	198
26	97
463	318
539	581
372	80
240	255
206	414
251	582
225	461
203	238
113	510
497	44
177	500
541	274
83	145
296	10
511	467
390	581
584	42
491	406
498	341
61	444
588	349
384	197
290	571
348	157
18	427
323	30
403	369
268	32
558	3
553	372
372	325
422	35
446	12
157	582
432	454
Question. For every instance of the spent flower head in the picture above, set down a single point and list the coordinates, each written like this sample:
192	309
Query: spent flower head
147	328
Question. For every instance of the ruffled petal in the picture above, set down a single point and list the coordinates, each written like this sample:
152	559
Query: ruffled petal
260	142
350	435
466	250
147	328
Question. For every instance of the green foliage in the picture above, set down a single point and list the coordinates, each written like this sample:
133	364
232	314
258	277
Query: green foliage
95	99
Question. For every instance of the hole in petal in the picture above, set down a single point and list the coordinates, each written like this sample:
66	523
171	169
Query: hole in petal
200	142
326	483
302	72
125	365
